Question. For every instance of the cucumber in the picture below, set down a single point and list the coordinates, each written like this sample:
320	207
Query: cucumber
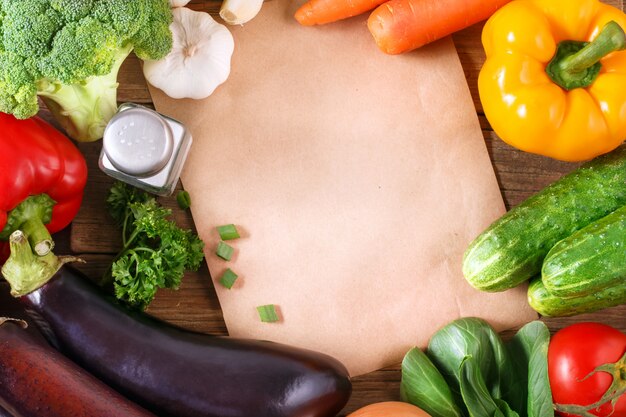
512	249
549	305
589	260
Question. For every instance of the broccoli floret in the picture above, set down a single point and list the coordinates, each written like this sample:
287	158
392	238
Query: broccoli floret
153	38
73	10
29	27
69	53
18	91
125	17
67	61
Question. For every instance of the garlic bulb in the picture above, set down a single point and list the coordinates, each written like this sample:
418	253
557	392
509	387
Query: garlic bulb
238	12
199	60
178	3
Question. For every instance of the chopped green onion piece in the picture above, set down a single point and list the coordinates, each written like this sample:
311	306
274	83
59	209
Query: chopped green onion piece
224	251
228	278
268	313
228	232
183	199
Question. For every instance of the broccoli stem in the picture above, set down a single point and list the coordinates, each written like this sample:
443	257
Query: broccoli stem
84	109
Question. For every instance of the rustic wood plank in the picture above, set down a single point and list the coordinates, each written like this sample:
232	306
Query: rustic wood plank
195	305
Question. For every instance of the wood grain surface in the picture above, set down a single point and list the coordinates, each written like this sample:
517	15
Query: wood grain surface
195	306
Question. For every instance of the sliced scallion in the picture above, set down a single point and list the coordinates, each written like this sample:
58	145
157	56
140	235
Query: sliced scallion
224	251
268	313
228	232
228	278
183	199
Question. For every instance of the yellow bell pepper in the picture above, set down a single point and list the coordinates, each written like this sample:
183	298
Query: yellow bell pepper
554	82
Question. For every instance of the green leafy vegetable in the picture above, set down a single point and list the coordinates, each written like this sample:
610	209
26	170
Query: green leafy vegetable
471	337
228	232
485	376
268	313
423	385
224	251
529	352
156	252
505	408
476	395
228	278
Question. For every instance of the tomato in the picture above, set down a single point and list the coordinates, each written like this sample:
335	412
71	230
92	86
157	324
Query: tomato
574	353
390	409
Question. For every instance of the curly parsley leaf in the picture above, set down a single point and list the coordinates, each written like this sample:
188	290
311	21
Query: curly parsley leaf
120	197
156	252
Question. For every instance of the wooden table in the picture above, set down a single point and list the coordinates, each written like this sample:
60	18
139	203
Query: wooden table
195	306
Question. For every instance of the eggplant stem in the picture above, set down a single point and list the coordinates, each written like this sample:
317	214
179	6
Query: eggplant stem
23	324
26	271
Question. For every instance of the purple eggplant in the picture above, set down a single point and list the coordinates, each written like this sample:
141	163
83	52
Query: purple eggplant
37	381
11	307
171	371
5	413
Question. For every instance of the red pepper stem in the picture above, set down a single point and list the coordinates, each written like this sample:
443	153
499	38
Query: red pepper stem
30	216
24	270
610	39
38	236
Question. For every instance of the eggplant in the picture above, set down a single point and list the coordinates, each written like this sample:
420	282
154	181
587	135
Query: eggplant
11	307
5	413
37	381
174	372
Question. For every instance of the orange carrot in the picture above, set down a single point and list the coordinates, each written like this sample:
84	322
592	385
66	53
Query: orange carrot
403	25
319	12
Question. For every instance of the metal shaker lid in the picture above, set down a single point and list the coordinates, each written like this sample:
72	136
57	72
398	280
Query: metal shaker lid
138	142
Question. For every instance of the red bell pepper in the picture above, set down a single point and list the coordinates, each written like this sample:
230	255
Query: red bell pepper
42	178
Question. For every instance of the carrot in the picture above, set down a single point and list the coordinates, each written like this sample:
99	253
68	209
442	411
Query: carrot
402	25
319	12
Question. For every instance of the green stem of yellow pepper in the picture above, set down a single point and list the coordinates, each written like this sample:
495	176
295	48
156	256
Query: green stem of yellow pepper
577	64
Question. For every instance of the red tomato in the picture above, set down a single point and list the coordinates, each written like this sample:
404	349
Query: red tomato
574	353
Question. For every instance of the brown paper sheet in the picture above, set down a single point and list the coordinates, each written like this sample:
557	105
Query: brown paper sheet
357	179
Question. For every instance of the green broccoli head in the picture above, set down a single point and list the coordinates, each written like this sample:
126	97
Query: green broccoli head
153	40
69	53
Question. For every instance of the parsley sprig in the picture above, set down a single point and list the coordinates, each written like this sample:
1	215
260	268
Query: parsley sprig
156	252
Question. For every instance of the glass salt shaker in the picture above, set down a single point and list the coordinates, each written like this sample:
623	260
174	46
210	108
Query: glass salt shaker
145	149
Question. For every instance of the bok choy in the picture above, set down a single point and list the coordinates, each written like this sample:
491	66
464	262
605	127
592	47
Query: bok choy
468	371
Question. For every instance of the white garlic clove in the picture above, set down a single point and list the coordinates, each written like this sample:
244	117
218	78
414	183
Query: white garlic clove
238	12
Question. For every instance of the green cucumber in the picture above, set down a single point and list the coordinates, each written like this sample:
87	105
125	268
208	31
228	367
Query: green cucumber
550	305
512	249
589	260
